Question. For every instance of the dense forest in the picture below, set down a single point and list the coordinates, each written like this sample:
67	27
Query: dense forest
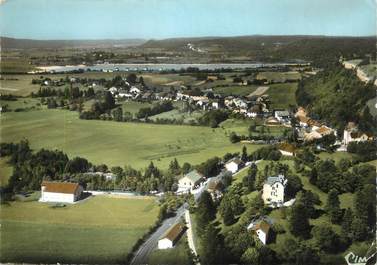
336	96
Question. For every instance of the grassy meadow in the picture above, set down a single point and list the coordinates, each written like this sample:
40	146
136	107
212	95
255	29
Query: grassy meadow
5	171
114	143
35	232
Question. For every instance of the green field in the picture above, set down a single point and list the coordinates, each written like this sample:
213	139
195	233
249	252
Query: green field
282	95
235	90
98	230
5	171
178	115
134	106
279	76
115	143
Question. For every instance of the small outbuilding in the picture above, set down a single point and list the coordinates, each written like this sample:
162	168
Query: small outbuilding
65	192
234	165
171	237
261	229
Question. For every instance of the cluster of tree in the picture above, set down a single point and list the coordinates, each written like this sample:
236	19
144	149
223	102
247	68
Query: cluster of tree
355	226
366	151
337	96
8	97
30	168
99	107
213	118
267	153
231	205
154	110
327	175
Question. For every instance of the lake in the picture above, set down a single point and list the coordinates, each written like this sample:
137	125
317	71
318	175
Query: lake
158	67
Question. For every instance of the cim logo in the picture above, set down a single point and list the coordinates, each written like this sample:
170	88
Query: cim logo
353	259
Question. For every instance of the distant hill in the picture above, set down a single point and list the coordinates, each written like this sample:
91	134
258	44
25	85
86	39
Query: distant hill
12	43
320	49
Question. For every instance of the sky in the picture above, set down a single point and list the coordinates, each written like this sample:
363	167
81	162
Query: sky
158	19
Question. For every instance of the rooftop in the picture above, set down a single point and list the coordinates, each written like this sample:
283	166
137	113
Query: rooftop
194	176
174	232
60	187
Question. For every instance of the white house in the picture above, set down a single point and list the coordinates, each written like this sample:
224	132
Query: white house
60	192
282	115
234	165
261	229
171	237
273	190
124	95
113	90
135	90
352	134
190	180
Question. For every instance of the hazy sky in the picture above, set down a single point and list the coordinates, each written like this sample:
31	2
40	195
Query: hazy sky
94	19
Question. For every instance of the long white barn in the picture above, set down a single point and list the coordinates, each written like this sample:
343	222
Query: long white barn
60	192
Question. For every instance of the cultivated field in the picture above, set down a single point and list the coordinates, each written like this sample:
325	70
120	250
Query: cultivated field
115	143
98	230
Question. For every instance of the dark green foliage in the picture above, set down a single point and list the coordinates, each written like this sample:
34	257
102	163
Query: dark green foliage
77	165
238	240
367	151
267	153
211	167
333	206
325	238
299	221
234	138
231	205
309	200
347	223
213	118
294	185
336	96
156	109
365	205
213	251
244	157
327	173
117	114
249	180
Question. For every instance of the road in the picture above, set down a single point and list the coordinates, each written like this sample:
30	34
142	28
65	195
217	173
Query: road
142	254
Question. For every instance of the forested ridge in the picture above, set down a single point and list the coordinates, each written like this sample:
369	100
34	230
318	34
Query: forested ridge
336	96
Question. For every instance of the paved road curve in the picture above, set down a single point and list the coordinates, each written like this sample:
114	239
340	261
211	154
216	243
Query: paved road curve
142	254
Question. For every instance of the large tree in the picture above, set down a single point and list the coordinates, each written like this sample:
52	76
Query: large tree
299	221
333	206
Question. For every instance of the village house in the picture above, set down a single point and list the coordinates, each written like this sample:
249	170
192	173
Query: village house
135	90
261	229
113	90
234	165
190	180
215	188
254	111
282	116
171	237
352	134
273	191
287	149
64	192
